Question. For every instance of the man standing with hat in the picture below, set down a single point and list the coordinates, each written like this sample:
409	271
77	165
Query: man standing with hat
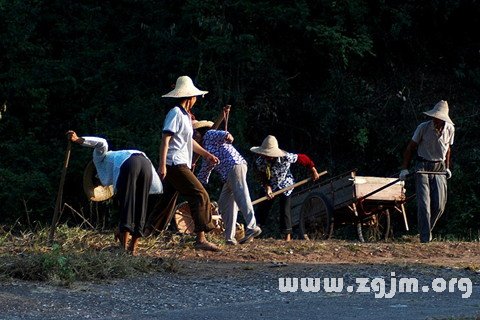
432	140
176	153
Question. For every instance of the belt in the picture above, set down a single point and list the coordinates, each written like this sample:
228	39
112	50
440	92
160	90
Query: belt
429	161
181	165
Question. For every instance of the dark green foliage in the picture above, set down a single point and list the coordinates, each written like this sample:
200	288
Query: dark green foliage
343	81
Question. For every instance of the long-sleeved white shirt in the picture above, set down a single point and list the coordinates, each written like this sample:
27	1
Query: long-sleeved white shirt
108	163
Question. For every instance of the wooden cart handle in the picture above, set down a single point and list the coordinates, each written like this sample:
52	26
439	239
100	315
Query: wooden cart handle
287	188
431	172
379	189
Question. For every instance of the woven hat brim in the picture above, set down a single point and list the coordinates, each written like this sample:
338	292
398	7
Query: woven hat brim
274	153
184	94
91	186
439	115
202	124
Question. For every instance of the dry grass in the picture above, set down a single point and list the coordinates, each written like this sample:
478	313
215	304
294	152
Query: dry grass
76	255
89	255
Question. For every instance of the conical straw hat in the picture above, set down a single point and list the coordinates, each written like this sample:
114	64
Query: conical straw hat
92	186
201	124
184	88
269	148
440	111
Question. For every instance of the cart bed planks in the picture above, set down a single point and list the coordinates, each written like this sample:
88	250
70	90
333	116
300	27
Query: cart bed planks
350	199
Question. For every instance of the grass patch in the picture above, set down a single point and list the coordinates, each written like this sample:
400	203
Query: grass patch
76	255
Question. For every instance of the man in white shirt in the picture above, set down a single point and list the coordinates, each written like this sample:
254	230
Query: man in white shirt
175	163
432	140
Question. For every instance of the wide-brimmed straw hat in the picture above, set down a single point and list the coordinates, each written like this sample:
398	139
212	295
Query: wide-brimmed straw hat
440	111
184	88
201	124
92	186
269	148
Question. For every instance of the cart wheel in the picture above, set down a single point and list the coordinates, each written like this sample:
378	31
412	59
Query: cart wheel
316	217
378	228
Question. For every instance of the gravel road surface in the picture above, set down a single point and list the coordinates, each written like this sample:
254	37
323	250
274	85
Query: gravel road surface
215	290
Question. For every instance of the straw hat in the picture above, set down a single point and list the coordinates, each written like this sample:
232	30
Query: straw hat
269	148
184	88
201	124
440	111
92	186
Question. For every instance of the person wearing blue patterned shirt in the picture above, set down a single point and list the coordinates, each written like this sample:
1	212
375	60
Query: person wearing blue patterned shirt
273	170
232	168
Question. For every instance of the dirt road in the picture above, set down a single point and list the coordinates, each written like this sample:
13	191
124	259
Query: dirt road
243	283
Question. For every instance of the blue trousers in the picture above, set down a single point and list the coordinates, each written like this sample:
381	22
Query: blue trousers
431	192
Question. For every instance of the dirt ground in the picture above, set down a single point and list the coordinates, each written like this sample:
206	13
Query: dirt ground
242	282
279	253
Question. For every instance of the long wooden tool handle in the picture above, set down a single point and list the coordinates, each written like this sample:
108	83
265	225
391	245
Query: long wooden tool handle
404	216
287	188
227	113
431	172
58	203
221	117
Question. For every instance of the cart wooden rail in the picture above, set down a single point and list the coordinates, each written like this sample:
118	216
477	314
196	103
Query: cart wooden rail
347	199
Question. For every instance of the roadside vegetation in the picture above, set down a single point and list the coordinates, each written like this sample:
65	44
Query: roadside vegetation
75	255
90	255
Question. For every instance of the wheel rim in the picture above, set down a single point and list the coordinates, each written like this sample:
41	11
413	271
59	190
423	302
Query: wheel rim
316	217
379	227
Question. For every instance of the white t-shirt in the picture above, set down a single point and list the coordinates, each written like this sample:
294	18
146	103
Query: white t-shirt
180	150
433	146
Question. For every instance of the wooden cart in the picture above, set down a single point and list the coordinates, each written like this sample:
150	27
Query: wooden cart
347	199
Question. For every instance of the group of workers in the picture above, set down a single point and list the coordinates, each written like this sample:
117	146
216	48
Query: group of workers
133	176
